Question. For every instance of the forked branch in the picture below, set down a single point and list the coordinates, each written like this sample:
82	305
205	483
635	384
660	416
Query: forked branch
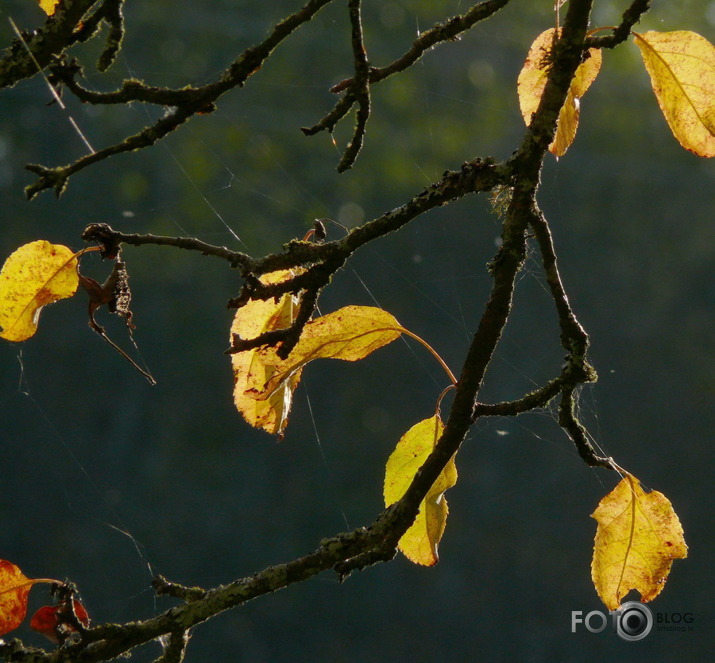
185	103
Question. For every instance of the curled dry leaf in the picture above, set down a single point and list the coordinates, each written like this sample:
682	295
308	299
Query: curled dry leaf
421	541
681	66
251	367
350	333
52	620
532	82
638	537
114	293
35	275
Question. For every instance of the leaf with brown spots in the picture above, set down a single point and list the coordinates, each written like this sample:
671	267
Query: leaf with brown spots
681	65
638	537
35	275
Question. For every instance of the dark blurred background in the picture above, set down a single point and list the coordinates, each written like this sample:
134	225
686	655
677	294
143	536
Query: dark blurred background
107	480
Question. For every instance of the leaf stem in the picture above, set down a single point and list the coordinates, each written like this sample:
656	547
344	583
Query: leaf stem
29	582
441	396
86	249
434	353
603	27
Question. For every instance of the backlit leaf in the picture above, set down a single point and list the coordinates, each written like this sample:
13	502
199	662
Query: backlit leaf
14	588
35	275
638	537
350	333
250	367
420	542
51	622
532	82
681	65
49	6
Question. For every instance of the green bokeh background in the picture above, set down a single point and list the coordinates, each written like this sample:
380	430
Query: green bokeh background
104	476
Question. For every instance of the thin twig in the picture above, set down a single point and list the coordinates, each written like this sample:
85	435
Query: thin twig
288	337
186	103
360	87
174	647
570	423
536	399
110	240
329	122
630	17
58	34
437	34
114	16
573	336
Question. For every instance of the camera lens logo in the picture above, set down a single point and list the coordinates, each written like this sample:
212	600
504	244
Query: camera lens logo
633	621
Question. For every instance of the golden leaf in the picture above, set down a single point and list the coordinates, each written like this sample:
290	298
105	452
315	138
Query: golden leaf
251	367
532	82
420	542
14	588
350	333
637	539
35	275
49	6
681	65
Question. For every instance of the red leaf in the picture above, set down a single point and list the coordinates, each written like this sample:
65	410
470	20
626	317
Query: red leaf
53	620
45	621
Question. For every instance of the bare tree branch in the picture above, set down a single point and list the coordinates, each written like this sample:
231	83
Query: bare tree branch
359	88
570	423
185	103
438	33
21	60
110	241
630	17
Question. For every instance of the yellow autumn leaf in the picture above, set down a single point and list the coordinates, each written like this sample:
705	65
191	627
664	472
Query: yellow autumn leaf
420	542
681	65
49	6
35	275
637	538
350	333
250	367
532	82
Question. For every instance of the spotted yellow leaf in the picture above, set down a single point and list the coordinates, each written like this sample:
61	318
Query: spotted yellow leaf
532	82
637	538
35	275
14	588
254	366
681	65
421	541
